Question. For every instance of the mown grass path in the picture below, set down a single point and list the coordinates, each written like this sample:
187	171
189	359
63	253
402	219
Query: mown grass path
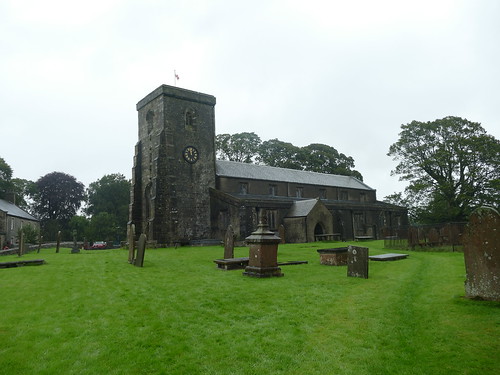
92	313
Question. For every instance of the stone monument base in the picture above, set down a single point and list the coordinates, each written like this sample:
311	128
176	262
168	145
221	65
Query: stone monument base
262	272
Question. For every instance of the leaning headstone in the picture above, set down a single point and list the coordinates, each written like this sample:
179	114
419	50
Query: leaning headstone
281	233
75	248
357	262
482	255
21	244
141	249
229	243
58	244
131	243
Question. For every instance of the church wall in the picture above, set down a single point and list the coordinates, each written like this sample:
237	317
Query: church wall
320	214
295	229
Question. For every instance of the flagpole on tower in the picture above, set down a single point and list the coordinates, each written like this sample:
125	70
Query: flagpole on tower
176	78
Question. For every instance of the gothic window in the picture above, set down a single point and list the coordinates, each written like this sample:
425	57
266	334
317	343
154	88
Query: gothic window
322	193
273	190
272	218
343	195
243	187
149	120
362	197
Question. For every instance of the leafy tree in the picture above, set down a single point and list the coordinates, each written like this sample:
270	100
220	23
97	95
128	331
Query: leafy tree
276	153
81	224
242	147
24	190
247	147
31	234
325	159
103	227
57	199
5	177
111	195
452	166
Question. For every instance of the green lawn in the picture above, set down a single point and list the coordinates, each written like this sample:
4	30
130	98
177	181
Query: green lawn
93	313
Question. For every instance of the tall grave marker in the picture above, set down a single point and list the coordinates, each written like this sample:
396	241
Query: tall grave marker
357	262
229	243
482	255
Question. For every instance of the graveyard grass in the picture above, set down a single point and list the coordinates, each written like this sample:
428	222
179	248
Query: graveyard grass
93	313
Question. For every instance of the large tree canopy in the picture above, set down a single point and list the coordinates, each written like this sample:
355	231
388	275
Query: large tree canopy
276	153
58	197
5	177
110	195
248	148
240	147
452	166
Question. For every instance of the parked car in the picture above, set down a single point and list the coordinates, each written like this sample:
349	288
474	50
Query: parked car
99	245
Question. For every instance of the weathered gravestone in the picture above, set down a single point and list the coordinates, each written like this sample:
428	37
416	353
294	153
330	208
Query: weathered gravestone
482	255
281	233
263	253
40	239
229	243
141	249
21	244
357	262
75	248
131	243
58	244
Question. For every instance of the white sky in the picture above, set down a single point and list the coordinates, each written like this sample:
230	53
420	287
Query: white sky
342	73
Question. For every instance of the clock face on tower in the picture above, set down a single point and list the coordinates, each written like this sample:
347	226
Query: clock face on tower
190	154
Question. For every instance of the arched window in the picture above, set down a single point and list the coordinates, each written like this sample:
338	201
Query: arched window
149	120
190	119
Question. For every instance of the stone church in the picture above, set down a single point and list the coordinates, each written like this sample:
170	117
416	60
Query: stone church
182	194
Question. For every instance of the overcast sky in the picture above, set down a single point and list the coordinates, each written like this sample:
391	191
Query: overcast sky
342	73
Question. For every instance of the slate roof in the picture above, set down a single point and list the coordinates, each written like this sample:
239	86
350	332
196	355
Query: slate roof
234	169
13	210
302	208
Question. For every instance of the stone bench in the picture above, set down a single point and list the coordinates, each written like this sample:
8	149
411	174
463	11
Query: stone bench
361	238
327	237
21	263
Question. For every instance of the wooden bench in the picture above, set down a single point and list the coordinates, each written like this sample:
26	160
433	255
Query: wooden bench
21	263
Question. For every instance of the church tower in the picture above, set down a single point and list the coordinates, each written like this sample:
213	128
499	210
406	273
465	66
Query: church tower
174	165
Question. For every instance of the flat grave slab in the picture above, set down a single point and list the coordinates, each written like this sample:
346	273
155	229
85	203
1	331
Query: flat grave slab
20	263
241	263
388	257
